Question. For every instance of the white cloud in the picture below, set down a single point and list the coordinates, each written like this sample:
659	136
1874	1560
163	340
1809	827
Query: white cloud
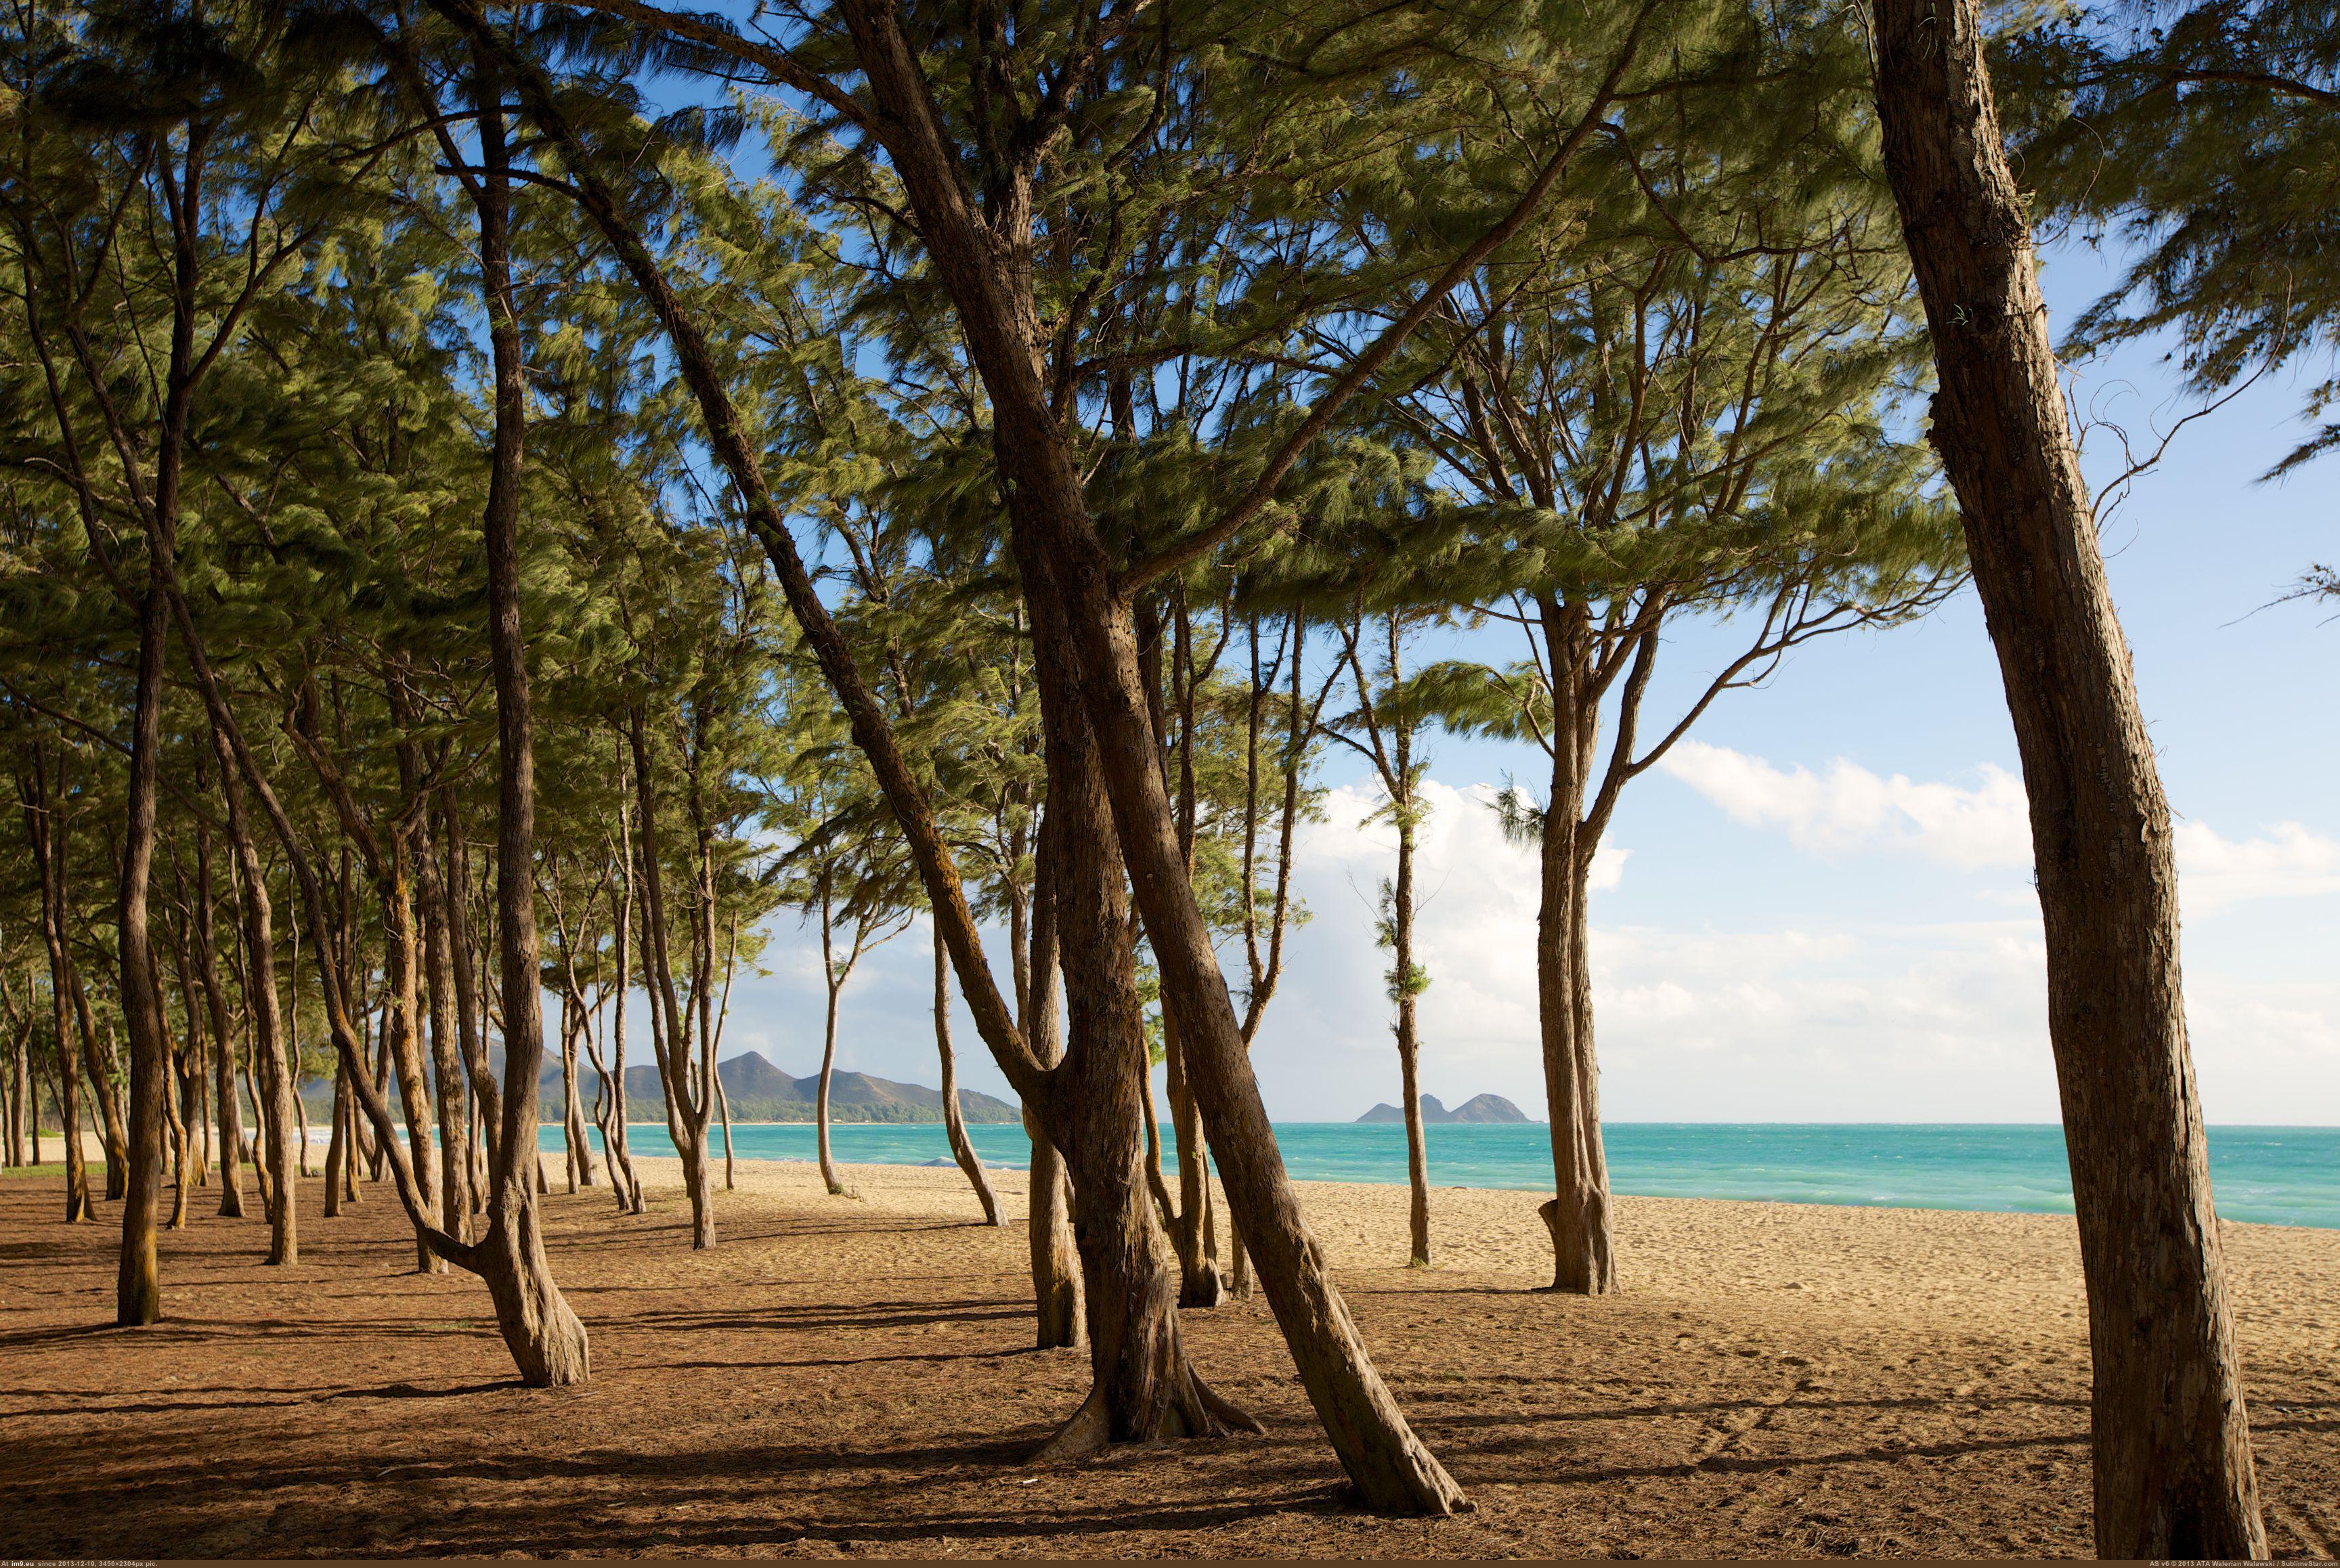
2287	860
1848	810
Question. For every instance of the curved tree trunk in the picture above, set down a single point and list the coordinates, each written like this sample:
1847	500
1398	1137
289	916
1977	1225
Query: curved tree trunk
954	1124
723	1108
1061	1320
1199	1282
2173	1459
820	1099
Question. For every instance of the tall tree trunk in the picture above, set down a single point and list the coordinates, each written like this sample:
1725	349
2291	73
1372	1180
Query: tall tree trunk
687	1113
138	1282
23	1109
1404	991
1583	1247
954	1124
545	1337
1199	1284
2173	1458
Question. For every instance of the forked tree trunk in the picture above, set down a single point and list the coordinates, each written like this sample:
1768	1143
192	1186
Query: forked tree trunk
2172	1443
1390	1466
954	1124
629	1193
1143	1387
1078	617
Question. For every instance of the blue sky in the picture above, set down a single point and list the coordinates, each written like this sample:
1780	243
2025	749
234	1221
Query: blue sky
1821	910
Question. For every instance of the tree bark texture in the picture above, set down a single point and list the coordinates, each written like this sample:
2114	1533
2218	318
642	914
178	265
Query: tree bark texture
2173	1467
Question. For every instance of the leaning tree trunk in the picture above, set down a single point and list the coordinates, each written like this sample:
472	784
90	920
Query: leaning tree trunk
954	1123
2172	1443
1392	1470
723	1108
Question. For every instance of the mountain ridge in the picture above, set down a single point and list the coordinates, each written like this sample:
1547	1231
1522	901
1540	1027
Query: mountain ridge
1478	1109
757	1091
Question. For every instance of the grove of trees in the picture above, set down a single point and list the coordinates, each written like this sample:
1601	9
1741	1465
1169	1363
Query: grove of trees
510	502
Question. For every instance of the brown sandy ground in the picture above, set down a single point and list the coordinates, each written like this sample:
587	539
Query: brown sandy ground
852	1377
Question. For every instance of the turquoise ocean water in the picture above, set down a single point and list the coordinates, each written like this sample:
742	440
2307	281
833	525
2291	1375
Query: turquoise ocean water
2277	1175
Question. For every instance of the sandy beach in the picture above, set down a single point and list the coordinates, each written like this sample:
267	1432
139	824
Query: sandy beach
852	1376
